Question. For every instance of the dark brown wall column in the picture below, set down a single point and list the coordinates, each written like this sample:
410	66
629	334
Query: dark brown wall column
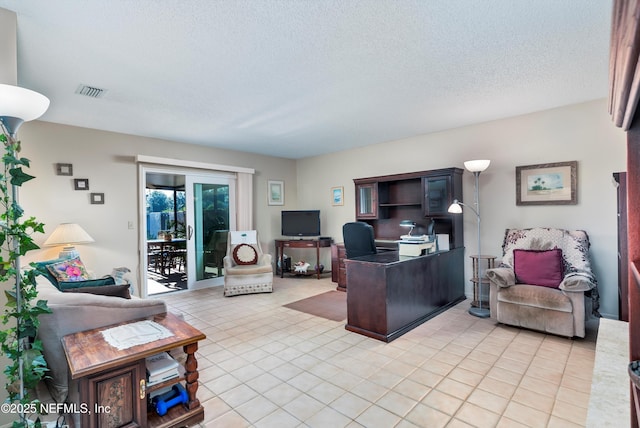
633	216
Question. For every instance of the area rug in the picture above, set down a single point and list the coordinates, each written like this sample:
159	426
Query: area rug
331	305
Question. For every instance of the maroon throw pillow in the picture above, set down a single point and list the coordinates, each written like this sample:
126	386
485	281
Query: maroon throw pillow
538	267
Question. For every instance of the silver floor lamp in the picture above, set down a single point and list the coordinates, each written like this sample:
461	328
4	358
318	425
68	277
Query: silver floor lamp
19	105
476	167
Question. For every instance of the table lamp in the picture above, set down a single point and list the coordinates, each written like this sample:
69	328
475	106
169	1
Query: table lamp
67	234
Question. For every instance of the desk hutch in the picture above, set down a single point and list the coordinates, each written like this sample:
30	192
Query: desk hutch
423	196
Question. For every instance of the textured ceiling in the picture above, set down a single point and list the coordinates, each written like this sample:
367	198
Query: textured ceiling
297	78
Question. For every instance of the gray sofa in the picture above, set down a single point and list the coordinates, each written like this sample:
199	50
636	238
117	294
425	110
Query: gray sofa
73	312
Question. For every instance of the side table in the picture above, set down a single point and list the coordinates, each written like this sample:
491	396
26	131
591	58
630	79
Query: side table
300	243
113	382
480	280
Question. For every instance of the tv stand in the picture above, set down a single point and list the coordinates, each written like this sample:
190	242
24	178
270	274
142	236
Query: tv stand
316	243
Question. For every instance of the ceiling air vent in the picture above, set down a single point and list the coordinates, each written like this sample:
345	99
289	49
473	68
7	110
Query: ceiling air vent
90	91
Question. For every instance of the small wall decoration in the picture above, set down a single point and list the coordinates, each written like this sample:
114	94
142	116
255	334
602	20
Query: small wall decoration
275	192
64	169
337	196
547	184
81	183
97	198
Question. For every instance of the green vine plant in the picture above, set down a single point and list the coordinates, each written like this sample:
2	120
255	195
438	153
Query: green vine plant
20	318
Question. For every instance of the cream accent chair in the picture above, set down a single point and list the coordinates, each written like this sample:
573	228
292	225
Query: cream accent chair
563	310
247	269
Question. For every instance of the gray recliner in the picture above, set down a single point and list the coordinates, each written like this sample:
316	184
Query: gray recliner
561	310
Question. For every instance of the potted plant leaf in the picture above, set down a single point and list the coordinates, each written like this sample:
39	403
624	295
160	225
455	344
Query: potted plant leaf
20	317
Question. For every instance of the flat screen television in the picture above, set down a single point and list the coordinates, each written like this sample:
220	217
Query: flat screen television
301	223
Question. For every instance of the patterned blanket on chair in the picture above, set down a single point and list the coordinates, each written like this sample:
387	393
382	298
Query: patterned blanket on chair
575	255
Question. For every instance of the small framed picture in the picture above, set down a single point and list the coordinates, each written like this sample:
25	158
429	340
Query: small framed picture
337	196
64	169
97	198
81	183
275	192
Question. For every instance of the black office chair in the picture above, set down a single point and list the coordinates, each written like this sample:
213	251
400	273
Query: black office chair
358	239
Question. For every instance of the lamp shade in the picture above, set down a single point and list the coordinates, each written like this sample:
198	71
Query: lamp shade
455	207
68	233
477	165
22	103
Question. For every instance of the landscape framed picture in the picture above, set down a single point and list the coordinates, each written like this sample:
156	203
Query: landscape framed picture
547	184
275	192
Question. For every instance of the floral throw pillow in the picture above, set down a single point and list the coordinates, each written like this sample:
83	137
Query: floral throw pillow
69	270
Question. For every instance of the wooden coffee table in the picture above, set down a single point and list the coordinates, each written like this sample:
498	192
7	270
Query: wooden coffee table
113	389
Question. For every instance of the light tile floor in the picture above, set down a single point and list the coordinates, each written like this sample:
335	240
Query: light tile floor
263	365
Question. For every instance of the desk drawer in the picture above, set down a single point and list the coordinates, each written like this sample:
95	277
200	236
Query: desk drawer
300	244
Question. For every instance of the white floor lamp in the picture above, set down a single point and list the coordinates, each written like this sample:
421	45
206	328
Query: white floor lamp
476	167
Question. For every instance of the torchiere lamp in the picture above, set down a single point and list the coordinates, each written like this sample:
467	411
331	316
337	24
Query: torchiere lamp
18	105
476	167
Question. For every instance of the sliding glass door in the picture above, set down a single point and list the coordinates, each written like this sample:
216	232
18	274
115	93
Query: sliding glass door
210	204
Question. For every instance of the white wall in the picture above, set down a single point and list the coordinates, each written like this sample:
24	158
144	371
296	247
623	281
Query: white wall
107	160
581	132
8	47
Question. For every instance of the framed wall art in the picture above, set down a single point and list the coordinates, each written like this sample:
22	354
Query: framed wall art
64	169
337	195
81	183
547	184
275	192
97	198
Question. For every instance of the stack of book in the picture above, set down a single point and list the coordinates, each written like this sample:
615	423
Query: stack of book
161	367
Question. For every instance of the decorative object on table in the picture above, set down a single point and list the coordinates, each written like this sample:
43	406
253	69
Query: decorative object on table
68	234
81	183
476	167
20	318
301	267
97	198
547	184
275	192
319	268
337	196
64	169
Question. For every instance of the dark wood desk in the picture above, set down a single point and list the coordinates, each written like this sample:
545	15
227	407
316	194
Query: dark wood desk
389	294
103	369
300	243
